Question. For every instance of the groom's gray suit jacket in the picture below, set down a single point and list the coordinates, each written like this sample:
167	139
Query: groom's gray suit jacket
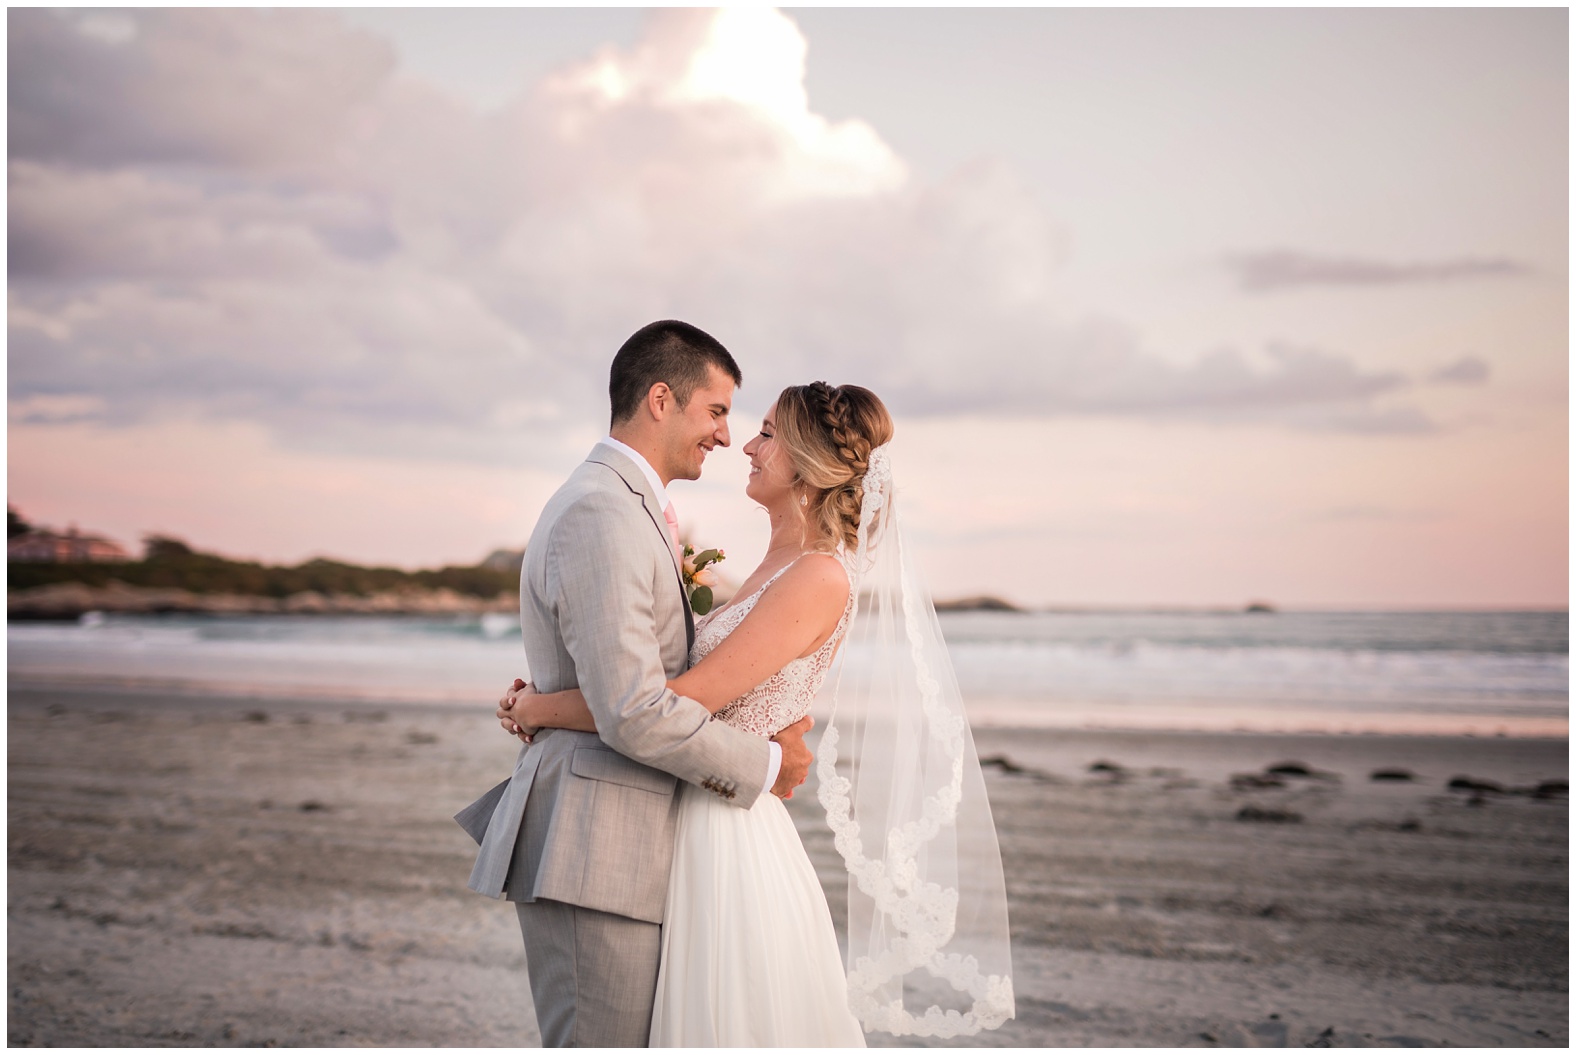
588	819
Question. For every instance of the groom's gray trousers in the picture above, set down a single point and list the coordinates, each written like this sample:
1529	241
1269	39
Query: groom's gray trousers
593	974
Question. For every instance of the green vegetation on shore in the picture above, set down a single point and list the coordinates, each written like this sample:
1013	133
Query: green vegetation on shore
172	564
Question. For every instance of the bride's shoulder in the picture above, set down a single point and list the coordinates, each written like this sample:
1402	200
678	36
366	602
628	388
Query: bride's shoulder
803	604
816	578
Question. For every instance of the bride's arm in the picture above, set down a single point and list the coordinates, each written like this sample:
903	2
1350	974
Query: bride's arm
525	710
792	619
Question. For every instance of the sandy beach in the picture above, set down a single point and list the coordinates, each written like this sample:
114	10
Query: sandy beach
194	871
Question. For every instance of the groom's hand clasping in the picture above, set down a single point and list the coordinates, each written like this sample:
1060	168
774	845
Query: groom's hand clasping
796	757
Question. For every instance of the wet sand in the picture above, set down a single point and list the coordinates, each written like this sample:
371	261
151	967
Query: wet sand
197	871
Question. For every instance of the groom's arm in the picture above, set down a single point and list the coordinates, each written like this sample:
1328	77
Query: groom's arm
599	580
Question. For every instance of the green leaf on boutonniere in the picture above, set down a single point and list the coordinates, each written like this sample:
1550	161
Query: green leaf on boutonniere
700	600
703	558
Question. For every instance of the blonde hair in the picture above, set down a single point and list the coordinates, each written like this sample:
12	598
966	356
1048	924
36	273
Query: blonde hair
828	433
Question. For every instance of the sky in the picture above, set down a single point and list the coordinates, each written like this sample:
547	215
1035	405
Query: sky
1183	308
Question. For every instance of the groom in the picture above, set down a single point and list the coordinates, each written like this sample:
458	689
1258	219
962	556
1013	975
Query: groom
580	838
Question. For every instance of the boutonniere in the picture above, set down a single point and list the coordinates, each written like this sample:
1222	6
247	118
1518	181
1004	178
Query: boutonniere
699	578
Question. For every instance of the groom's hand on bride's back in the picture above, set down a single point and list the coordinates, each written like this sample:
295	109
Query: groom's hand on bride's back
796	757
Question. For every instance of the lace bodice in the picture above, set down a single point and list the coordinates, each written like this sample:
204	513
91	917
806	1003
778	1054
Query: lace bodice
783	698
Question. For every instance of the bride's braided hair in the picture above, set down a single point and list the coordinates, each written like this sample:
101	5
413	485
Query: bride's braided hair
828	432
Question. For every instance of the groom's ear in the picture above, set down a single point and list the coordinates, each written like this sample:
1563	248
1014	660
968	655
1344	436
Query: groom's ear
659	400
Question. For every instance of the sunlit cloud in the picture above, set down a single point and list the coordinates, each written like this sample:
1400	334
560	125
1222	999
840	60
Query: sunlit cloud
738	59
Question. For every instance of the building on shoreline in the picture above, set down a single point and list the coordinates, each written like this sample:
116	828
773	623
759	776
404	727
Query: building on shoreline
49	547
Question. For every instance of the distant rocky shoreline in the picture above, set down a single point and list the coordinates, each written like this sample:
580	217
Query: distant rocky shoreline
72	600
977	604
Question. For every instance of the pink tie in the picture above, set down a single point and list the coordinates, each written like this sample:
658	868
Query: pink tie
673	530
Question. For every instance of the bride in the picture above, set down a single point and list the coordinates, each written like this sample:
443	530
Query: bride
749	952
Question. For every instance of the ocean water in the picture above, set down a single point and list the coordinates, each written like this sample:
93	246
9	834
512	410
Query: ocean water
1444	672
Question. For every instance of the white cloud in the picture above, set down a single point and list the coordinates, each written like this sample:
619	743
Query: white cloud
248	214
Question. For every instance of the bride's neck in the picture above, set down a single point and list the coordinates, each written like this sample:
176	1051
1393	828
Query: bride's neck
787	537
782	550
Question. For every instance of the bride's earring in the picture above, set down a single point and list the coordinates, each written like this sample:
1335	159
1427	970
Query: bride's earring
804	500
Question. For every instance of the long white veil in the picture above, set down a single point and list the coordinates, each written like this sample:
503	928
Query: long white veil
928	948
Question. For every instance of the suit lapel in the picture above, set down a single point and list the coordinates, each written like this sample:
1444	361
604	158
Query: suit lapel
636	481
689	622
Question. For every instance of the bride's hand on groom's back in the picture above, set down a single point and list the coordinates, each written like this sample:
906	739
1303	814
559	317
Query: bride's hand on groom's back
506	714
796	758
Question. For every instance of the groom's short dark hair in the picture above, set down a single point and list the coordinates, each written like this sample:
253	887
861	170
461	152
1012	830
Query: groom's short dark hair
669	351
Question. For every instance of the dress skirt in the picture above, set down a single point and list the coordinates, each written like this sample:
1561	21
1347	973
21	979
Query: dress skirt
749	956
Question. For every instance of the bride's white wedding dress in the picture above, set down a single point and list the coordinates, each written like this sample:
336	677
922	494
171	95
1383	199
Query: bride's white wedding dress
749	957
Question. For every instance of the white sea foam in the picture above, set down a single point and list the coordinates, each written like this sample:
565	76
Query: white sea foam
1399	671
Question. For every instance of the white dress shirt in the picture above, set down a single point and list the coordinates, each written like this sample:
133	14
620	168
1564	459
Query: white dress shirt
775	763
640	459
